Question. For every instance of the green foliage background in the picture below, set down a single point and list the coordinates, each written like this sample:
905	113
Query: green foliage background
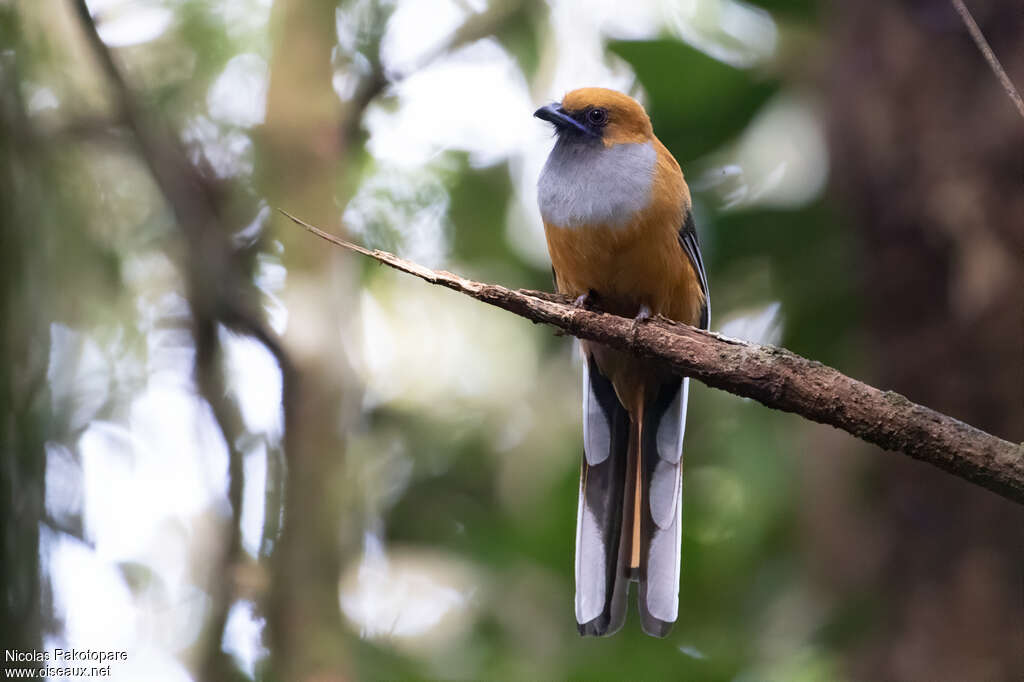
88	236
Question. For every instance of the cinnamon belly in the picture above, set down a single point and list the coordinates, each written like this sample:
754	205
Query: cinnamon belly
627	268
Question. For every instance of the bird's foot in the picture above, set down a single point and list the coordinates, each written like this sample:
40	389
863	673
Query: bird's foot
585	300
642	316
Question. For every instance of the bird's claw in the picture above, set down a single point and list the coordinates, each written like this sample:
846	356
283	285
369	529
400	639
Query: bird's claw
585	299
642	316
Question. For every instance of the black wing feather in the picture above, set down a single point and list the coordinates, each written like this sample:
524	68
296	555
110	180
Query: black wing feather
691	245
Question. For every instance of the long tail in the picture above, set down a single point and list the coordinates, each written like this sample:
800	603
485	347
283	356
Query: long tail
661	508
628	525
607	482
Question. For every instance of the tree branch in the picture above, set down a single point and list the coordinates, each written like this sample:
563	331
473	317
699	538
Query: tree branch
773	376
990	56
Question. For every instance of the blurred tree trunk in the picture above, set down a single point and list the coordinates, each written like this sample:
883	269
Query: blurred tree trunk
23	414
303	147
929	157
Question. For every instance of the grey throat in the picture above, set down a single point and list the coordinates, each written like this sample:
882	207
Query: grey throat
586	183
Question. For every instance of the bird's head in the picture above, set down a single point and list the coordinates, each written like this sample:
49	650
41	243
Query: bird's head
598	114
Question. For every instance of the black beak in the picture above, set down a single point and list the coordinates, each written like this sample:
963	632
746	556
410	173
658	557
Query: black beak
555	114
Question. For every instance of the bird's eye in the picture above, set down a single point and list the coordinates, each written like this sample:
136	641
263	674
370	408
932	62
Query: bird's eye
597	117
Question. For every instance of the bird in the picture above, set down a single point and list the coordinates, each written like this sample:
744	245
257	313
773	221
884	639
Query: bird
619	226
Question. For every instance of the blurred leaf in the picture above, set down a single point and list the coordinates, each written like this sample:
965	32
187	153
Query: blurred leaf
696	103
477	212
479	200
205	34
139	577
519	34
812	256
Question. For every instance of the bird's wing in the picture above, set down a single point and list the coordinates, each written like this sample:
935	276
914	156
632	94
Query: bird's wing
691	246
661	472
602	539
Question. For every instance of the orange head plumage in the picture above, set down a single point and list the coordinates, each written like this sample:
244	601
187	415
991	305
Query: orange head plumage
613	117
